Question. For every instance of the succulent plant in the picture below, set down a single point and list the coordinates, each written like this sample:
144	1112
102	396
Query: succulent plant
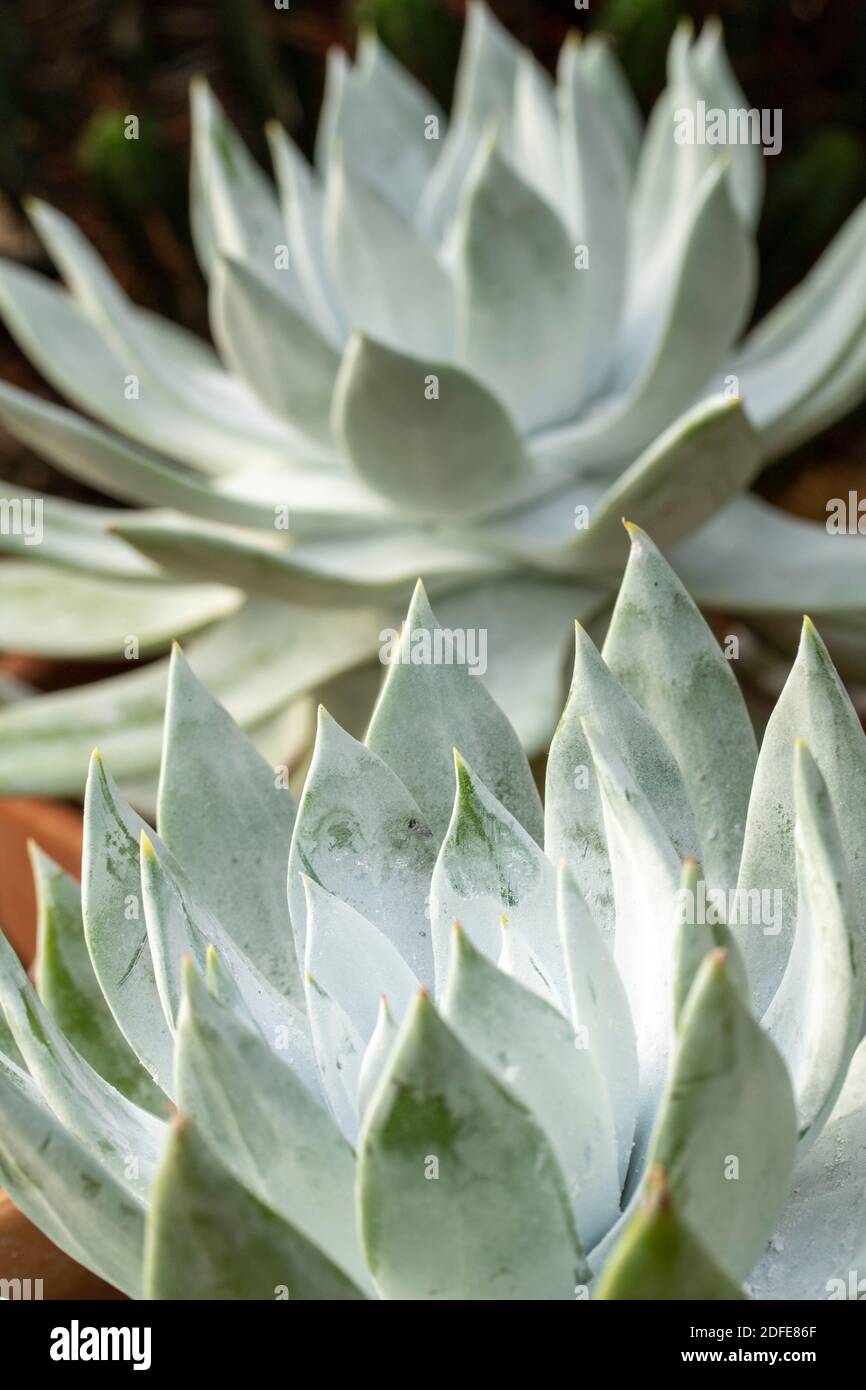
457	349
451	1063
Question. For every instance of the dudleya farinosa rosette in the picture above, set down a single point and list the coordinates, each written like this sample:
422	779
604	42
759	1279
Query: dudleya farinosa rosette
462	348
631	1071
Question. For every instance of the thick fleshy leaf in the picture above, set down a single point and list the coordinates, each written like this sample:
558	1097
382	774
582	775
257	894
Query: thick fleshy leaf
390	279
176	369
658	1258
426	435
360	835
55	613
484	88
114	923
118	466
70	991
378	122
339	1050
818	1247
72	535
353	961
574	819
302	201
376	1055
596	193
556	1074
373	566
179	926
83	364
45	743
233	207
534	138
728	1126
120	1135
813	706
700	929
600	1007
660	649
644	870
208	1237
706	457
489	866
64	1190
238	862
613	94
266	1127
712	280
815	1016
754	558
431	703
273	347
434	1225
520	299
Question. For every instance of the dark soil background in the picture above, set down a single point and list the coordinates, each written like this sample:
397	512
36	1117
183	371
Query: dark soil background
70	72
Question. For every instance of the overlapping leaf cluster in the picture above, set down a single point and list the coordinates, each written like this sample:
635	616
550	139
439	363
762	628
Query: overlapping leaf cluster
573	1088
433	348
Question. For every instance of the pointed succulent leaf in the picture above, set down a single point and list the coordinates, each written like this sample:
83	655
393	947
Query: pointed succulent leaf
728	1125
70	991
431	703
339	1050
67	1192
209	1238
534	1051
114	923
374	254
596	179
302	202
238	861
813	706
818	1247
681	351
360	836
816	1013
613	95
660	649
178	925
574	818
600	1009
644	877
534	137
377	122
487	866
688	473
273	348
119	1134
266	1127
376	1055
433	1224
234	210
701	929
519	296
484	87
657	1257
423	433
353	961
